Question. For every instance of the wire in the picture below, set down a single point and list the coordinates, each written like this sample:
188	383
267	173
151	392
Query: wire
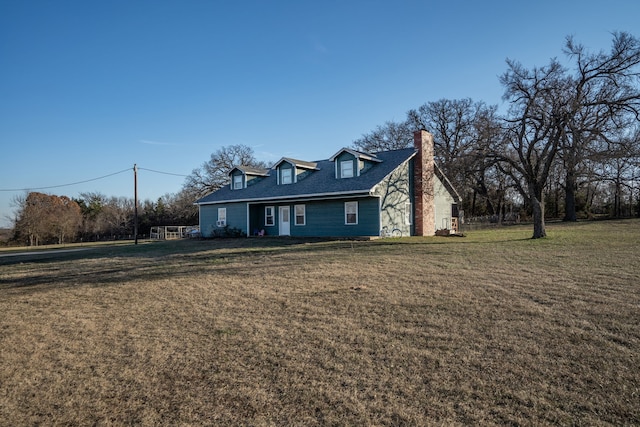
87	180
165	173
66	185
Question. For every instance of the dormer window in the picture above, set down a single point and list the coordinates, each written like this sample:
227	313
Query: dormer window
291	171
286	176
237	182
346	169
245	176
351	163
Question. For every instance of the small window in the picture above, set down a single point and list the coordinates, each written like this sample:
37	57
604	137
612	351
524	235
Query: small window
222	217
346	169
269	219
301	215
286	176
407	213
237	182
351	213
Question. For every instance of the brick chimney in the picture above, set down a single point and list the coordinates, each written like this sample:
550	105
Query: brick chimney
424	210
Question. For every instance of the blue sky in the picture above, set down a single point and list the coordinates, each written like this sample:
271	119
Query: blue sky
90	88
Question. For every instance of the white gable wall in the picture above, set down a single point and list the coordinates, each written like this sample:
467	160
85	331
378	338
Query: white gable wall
442	203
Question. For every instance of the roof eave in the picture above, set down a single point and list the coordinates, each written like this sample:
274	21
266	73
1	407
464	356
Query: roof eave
366	192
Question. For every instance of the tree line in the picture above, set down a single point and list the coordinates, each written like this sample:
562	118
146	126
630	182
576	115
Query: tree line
51	219
570	139
568	146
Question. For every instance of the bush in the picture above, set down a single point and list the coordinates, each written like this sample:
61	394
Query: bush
228	232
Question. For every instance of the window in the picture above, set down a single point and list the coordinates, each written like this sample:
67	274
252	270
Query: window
407	213
286	176
351	213
237	182
346	169
301	215
269	219
222	217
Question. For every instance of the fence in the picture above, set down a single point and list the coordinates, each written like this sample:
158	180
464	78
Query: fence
170	232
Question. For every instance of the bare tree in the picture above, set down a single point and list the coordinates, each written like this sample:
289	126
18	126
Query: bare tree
459	128
462	130
604	98
390	136
214	173
534	128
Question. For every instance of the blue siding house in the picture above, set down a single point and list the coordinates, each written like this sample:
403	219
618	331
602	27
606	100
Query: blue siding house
347	195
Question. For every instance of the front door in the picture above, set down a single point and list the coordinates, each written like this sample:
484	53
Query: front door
284	222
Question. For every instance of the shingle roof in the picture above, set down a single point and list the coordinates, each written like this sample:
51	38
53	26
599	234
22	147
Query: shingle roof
320	182
248	170
298	163
357	154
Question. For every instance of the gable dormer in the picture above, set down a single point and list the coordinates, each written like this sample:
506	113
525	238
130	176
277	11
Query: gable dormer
290	171
243	176
351	163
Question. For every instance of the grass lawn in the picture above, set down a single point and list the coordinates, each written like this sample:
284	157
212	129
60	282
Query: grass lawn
491	328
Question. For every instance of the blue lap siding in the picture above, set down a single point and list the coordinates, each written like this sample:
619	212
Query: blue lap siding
327	218
236	217
322	218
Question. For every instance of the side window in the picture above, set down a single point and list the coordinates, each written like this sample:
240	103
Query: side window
222	217
407	213
268	215
301	215
237	182
351	213
346	169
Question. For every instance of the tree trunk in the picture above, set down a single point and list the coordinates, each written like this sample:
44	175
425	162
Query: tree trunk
537	207
538	219
570	197
473	204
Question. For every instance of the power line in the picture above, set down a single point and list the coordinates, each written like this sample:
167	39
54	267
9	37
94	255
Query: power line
65	185
87	180
165	173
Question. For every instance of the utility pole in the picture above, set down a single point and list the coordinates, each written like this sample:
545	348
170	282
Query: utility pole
135	203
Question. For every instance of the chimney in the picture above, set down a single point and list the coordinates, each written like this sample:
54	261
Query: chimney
423	171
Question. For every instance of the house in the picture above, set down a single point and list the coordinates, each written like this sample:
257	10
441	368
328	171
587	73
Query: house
352	193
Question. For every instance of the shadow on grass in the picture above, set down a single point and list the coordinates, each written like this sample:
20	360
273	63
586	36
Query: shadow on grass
149	261
117	265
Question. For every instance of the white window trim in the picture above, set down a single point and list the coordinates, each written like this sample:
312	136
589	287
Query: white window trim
304	214
272	216
222	217
342	169
290	176
235	181
346	213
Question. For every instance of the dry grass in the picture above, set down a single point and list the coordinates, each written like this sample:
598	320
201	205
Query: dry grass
492	328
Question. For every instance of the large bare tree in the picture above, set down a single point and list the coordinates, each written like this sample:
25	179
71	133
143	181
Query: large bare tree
459	127
390	136
533	130
214	174
462	129
603	100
